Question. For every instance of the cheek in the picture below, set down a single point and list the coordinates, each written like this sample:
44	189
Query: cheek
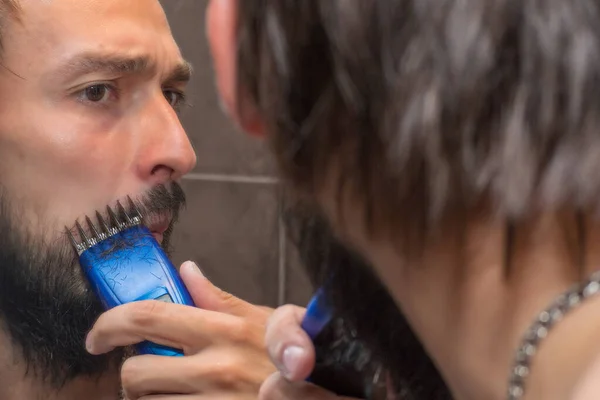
55	164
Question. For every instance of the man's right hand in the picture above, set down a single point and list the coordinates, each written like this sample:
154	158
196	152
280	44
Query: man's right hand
293	354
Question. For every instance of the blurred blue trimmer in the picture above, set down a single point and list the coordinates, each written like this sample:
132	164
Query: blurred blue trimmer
318	315
329	372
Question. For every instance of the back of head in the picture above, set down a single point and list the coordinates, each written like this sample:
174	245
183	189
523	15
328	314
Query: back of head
425	108
419	111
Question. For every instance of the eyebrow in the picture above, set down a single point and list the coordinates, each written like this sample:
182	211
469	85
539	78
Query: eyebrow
89	63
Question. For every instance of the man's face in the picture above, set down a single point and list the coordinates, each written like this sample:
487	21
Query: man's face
86	106
88	98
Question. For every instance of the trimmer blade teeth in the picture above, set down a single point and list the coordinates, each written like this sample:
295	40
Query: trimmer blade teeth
103	225
82	234
103	228
93	228
71	237
77	246
133	208
114	219
124	213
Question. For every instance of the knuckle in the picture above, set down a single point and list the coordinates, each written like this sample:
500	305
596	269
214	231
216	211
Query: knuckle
130	371
281	316
144	313
243	331
228	373
280	326
227	297
229	376
101	323
234	304
268	389
268	311
264	392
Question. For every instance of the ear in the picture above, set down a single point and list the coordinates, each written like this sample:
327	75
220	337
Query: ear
221	24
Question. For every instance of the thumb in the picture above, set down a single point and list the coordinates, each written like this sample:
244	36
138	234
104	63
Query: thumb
209	297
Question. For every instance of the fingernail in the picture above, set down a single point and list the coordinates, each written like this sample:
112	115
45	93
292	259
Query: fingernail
192	267
292	357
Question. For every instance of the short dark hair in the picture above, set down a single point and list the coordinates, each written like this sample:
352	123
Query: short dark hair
430	108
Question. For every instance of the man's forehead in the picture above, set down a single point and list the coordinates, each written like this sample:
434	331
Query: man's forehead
116	35
92	16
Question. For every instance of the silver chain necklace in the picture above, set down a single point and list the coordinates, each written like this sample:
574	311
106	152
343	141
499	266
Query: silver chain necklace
540	328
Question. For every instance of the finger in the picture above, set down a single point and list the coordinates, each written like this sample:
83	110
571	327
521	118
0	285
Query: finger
276	387
232	370
209	297
195	397
148	374
289	346
167	397
201	396
215	371
268	310
173	325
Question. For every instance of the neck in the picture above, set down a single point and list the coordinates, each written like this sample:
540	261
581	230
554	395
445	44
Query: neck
470	301
17	384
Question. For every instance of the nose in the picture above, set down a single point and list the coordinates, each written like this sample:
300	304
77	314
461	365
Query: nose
166	152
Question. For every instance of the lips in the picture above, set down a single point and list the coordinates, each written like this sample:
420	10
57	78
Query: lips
158	225
158	237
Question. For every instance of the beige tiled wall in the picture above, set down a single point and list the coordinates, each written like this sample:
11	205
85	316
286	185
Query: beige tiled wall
231	227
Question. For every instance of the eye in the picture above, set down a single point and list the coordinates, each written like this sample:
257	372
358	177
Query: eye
175	98
96	93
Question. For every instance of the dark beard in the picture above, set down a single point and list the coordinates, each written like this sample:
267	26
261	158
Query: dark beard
369	313
45	304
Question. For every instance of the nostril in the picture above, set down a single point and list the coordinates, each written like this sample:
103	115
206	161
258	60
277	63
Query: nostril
162	169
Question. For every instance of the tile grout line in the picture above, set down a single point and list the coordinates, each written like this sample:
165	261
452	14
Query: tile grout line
263	180
282	257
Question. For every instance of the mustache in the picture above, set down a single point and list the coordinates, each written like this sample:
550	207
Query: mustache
157	204
162	200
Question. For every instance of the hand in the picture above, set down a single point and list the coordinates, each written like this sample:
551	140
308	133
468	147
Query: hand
223	342
292	352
